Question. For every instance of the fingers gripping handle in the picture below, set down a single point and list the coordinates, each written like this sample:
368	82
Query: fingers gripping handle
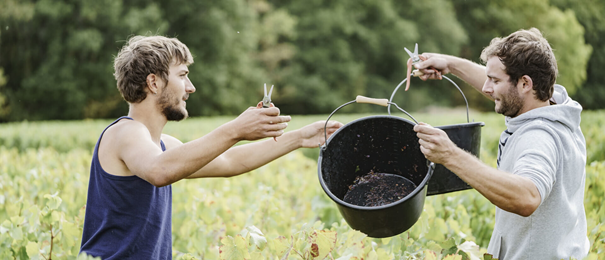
376	101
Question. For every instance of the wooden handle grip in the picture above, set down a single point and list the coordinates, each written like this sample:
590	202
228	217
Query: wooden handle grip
376	101
417	73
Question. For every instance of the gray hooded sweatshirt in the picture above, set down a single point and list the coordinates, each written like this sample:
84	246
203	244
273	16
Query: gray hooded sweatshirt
547	146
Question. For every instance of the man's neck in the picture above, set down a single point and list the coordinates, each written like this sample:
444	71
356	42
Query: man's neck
150	116
533	104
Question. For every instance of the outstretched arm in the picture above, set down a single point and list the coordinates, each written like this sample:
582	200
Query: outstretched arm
247	157
472	73
510	192
141	156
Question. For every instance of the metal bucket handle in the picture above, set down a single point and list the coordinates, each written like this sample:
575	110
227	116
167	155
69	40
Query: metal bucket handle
404	80
366	100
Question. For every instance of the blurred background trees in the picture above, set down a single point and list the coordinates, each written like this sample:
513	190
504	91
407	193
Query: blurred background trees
56	56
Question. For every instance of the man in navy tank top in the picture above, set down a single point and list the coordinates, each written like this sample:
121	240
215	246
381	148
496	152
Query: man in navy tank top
129	205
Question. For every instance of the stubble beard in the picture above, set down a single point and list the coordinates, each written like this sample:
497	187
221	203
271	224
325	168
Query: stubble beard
511	103
172	111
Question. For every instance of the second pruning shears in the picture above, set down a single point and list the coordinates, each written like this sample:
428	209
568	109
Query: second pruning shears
267	98
266	102
415	58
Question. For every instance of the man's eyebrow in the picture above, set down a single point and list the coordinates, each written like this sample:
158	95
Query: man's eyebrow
492	77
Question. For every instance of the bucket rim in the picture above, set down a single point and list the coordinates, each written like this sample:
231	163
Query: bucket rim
471	124
325	145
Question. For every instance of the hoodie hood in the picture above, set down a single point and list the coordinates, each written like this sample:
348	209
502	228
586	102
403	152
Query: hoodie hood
565	111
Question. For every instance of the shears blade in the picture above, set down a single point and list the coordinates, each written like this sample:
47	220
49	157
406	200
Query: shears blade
413	55
267	97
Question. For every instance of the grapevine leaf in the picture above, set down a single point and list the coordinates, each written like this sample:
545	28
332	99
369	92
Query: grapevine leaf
437	230
5	227
54	201
33	250
17	220
453	257
383	254
322	243
16	233
372	255
234	248
280	247
449	247
70	229
470	248
430	255
258	238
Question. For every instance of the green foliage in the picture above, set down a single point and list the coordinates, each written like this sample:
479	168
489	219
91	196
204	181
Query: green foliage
589	14
278	211
57	56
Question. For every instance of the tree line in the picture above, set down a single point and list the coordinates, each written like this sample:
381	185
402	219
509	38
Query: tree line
56	56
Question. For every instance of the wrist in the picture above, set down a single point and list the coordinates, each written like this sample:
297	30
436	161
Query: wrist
297	137
230	131
454	158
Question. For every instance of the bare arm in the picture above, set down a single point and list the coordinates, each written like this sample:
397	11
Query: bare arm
142	157
247	157
513	193
472	73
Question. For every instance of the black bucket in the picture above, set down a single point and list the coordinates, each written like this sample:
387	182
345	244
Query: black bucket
467	136
381	144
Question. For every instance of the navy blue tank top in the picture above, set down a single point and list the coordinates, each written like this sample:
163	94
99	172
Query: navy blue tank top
126	216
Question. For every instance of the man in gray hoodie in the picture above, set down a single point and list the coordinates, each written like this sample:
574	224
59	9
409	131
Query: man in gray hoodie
538	187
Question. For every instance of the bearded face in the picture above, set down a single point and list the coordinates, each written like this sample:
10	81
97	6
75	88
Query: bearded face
171	106
510	102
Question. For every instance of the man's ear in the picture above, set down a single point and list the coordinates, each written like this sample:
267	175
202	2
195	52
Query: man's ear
527	84
152	83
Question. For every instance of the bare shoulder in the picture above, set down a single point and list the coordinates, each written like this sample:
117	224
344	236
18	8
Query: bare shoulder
116	139
126	131
171	141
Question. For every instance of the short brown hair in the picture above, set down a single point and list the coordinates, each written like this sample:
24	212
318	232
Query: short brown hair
144	55
526	52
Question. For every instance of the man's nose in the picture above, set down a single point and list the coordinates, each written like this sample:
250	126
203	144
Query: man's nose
487	87
189	88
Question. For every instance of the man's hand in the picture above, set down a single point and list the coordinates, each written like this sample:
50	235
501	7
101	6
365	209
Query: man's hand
434	143
257	123
433	63
312	135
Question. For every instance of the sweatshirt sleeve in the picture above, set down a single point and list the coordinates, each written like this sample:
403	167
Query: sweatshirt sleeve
538	158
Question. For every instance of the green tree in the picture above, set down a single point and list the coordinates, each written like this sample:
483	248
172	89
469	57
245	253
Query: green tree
59	61
347	48
590	14
4	110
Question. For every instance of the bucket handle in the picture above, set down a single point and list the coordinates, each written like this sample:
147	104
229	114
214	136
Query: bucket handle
365	100
404	80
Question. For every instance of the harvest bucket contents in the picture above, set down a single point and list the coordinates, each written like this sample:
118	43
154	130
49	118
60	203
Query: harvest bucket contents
377	189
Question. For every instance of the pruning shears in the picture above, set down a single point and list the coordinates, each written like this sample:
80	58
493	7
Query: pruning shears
266	102
267	98
415	58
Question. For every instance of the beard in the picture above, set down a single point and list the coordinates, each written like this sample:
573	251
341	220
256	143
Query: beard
171	108
510	103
